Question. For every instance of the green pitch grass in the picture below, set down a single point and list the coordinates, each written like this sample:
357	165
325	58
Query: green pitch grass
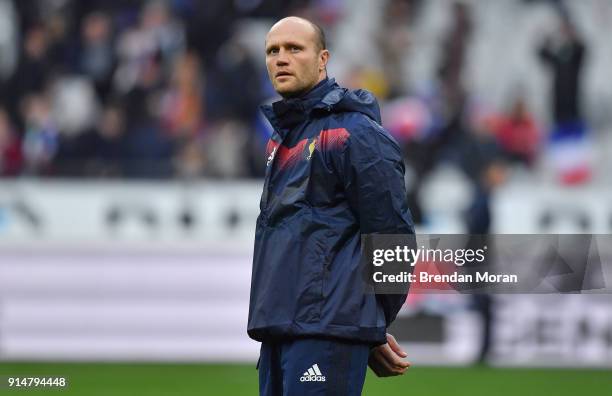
101	379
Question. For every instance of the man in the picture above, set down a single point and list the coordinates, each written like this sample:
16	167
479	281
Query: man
565	54
333	173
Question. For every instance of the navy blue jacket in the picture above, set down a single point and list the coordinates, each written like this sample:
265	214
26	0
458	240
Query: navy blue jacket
333	173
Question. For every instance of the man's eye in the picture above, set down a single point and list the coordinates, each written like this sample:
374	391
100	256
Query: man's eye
273	51
295	49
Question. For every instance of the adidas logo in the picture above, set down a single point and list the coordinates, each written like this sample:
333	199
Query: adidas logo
313	375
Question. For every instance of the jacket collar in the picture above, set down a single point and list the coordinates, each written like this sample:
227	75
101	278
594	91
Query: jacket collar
287	113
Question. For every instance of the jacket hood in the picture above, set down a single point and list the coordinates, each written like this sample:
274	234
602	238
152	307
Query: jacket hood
326	97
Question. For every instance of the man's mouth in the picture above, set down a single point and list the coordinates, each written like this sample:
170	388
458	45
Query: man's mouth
283	74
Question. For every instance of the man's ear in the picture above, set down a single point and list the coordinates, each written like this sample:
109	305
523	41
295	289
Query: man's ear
323	59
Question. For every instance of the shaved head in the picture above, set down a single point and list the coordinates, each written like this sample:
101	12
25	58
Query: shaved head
319	38
296	55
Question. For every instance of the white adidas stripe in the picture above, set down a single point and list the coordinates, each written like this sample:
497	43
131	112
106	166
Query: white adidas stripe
314	370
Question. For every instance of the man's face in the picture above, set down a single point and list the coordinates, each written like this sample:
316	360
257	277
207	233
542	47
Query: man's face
294	61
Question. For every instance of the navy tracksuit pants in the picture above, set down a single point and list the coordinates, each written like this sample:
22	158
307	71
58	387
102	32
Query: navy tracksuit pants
312	367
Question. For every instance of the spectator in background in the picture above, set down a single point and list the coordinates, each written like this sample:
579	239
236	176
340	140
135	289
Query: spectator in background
394	41
97	55
156	40
10	147
62	39
233	72
40	141
98	152
518	134
450	105
32	72
209	25
453	54
166	33
108	142
181	106
564	53
9	43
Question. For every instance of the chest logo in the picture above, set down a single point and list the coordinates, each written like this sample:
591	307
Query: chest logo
311	148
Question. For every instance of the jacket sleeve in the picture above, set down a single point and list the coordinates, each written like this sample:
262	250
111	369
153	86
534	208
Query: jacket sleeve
373	177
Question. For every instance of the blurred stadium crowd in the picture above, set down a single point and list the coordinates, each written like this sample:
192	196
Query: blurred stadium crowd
128	88
170	89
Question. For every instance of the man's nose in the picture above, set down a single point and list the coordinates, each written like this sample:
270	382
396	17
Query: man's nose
282	59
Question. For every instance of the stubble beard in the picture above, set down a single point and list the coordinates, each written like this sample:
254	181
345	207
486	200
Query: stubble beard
300	87
293	91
